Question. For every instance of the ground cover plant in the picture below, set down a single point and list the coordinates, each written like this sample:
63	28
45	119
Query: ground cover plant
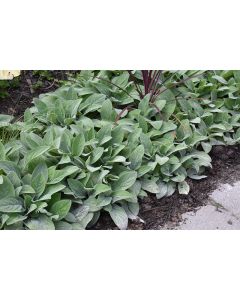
16	94
106	139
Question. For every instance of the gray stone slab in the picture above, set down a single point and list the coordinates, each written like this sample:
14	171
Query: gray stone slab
209	218
228	196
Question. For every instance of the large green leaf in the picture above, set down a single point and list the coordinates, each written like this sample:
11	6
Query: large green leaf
40	178
183	188
125	181
121	80
36	153
101	188
76	187
96	203
11	205
51	190
61	208
136	157
41	223
78	144
96	154
184	131
6	188
59	175
107	111
9	166
119	216
150	186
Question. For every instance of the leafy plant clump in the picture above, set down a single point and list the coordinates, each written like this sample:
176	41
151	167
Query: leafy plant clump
5	85
103	141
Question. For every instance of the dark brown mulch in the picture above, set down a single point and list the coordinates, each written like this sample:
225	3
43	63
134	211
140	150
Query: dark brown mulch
29	85
166	213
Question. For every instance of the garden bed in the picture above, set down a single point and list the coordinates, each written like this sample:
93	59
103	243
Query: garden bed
166	213
106	153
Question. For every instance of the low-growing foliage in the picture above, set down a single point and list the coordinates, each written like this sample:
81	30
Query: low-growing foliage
5	85
96	145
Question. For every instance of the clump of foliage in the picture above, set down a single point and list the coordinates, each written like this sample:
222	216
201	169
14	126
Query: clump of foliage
8	131
5	85
102	142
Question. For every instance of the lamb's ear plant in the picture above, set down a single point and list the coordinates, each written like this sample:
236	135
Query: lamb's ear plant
81	152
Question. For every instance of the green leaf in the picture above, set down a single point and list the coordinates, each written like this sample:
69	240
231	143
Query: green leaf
39	178
61	208
118	158
237	75
117	134
207	147
86	220
65	160
125	181
81	212
15	219
61	225
144	105
9	166
119	217
183	188
160	104
6	189
95	204
51	190
146	142
101	188
36	153
76	187
121	195
41	223
27	189
163	188
161	160
5	119
93	169
59	175
122	80
156	124
167	126
2	151
219	79
104	134
136	157
11	205
94	99
96	154
179	178
150	186
107	111
65	143
144	169
132	210
184	130
170	106
78	144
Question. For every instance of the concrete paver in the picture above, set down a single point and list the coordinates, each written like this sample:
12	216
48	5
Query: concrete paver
222	212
